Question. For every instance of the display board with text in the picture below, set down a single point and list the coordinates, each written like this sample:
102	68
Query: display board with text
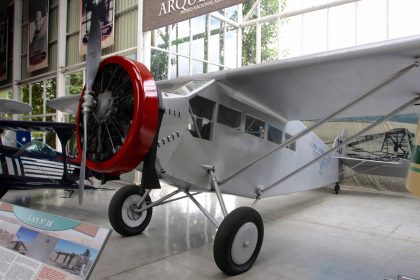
42	246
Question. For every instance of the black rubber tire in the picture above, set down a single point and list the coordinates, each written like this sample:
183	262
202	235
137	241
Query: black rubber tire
337	188
225	235
115	211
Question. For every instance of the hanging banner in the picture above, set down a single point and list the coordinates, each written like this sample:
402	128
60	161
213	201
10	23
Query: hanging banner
158	13
38	35
4	35
106	11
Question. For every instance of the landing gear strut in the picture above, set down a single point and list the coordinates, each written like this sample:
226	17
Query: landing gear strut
238	240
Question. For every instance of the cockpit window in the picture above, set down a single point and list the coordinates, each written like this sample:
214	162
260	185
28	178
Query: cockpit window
254	127
40	149
201	123
274	134
229	117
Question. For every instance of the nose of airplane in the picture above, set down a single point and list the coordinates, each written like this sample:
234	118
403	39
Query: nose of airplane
124	118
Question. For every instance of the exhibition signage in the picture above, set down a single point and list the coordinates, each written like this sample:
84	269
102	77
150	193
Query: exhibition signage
158	13
106	12
42	246
38	35
4	36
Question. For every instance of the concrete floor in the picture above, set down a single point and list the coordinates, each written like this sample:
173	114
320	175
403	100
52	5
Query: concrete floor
310	235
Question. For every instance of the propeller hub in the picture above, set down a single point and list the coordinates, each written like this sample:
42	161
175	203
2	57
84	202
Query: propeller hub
105	106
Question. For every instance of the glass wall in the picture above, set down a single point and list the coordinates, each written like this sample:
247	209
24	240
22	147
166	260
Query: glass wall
265	30
37	94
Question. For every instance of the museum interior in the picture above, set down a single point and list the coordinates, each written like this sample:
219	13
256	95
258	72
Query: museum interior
209	139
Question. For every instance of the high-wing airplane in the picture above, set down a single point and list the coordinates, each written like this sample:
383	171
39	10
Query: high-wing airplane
235	131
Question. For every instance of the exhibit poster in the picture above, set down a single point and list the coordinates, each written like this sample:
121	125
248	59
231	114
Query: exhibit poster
158	13
106	12
38	35
4	35
42	246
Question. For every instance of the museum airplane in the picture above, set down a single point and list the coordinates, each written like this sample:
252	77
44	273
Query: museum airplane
29	164
234	131
32	164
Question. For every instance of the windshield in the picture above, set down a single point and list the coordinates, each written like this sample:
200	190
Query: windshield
39	148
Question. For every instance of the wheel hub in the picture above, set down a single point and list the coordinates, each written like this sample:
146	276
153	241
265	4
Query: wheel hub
244	243
128	213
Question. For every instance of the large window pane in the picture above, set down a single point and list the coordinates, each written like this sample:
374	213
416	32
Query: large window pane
314	32
74	83
50	93
181	66
159	65
269	41
371	21
230	58
6	93
290	36
180	38
404	18
249	45
229	117
269	7
341	26
37	98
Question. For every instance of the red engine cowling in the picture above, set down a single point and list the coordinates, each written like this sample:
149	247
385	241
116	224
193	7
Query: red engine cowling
124	119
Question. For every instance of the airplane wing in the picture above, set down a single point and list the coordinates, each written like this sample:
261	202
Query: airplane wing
374	167
311	87
64	130
67	104
8	106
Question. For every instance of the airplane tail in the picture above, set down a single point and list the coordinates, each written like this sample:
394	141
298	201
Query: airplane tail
340	139
413	177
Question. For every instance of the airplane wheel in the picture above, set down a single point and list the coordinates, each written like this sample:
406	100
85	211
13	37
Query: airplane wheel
337	188
238	241
121	212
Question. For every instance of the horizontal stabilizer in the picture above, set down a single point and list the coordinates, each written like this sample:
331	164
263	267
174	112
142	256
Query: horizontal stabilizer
66	104
376	167
8	106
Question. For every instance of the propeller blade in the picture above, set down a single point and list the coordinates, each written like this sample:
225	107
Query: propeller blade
93	57
93	54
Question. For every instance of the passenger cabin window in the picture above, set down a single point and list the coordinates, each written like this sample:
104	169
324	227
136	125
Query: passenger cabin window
291	146
254	126
201	110
229	117
274	134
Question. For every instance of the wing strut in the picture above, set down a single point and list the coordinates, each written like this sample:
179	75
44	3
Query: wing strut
299	135
348	140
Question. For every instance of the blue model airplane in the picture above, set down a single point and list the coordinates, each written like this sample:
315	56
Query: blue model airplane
33	164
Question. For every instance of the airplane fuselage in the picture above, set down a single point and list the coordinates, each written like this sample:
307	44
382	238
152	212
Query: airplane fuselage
203	128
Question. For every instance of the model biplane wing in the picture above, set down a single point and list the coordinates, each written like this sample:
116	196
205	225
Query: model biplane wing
8	106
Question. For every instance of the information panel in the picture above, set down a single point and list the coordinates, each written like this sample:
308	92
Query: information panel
42	246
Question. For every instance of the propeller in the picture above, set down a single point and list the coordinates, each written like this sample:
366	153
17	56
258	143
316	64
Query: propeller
93	57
